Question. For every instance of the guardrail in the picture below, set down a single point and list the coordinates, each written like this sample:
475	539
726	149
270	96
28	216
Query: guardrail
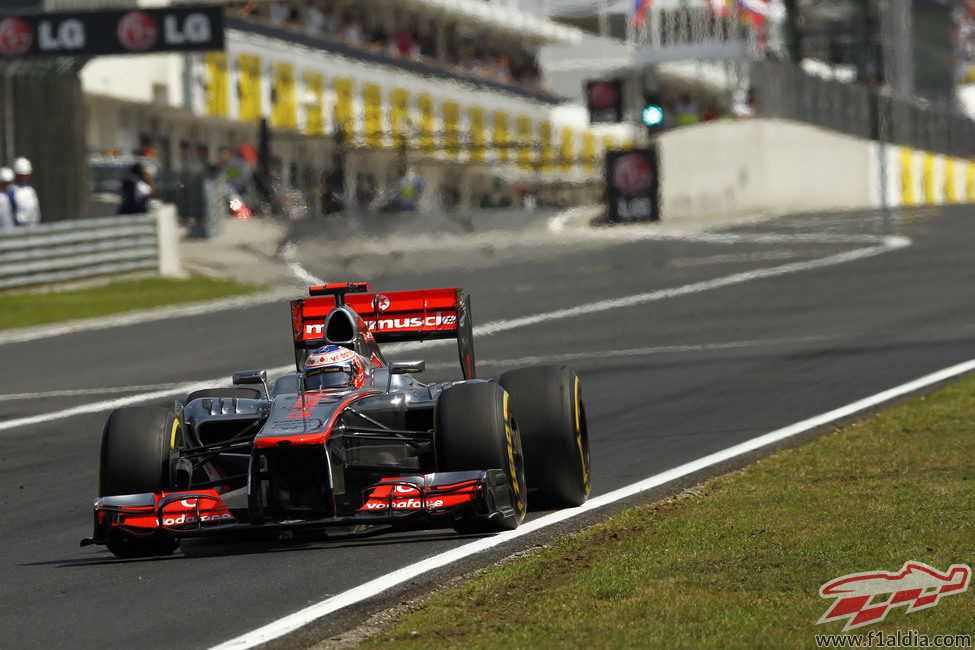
73	250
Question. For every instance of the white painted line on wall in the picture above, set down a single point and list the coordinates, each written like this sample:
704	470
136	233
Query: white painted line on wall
375	587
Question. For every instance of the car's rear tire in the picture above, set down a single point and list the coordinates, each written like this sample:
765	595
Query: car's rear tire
237	392
547	402
134	459
475	431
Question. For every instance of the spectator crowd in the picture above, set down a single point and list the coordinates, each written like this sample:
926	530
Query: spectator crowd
19	206
461	52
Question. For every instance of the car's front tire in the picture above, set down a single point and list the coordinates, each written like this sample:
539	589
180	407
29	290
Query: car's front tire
134	459
547	401
474	430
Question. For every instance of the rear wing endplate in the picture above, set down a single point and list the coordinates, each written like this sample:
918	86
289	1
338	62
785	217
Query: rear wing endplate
393	316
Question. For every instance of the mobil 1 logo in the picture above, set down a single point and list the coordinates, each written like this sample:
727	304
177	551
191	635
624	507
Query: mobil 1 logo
633	185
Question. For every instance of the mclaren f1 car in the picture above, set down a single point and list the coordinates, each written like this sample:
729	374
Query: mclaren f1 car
349	439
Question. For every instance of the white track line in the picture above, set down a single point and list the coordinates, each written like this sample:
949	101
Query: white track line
487	329
645	351
300	272
107	405
889	244
110	390
375	587
561	223
134	318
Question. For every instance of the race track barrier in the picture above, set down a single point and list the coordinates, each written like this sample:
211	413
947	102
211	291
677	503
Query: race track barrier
720	171
74	250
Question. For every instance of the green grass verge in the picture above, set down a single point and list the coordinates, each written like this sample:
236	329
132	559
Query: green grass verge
740	563
26	309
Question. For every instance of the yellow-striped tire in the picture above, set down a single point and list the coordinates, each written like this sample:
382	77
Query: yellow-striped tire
134	459
474	430
547	404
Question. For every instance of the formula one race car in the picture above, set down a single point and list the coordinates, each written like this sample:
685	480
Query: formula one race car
348	440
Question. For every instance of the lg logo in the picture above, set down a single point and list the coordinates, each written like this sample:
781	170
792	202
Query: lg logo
15	36
137	31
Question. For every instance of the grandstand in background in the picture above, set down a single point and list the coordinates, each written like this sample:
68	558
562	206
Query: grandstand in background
452	90
473	94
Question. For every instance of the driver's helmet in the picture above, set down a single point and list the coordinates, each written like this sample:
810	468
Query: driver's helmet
332	366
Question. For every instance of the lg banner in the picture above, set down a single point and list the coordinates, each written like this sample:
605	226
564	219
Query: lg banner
632	185
181	28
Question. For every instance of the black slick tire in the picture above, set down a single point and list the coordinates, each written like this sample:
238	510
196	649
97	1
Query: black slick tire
134	459
547	403
475	431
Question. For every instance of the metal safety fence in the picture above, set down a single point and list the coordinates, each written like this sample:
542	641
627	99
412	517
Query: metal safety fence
74	250
788	92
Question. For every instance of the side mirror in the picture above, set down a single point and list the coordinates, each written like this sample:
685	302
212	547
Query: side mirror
403	367
250	377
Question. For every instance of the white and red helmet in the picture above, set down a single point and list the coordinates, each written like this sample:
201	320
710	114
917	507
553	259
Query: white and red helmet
332	366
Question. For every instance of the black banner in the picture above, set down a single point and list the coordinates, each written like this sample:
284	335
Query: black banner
633	185
136	31
604	99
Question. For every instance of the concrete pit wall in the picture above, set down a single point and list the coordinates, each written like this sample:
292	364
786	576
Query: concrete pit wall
726	171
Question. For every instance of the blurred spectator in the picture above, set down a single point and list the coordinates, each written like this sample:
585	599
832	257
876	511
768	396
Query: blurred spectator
138	187
23	198
403	42
280	13
410	189
743	104
464	49
238	168
248	9
352	33
686	111
6	211
316	23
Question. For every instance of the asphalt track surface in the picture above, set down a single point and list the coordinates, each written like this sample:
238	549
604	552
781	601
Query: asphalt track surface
666	379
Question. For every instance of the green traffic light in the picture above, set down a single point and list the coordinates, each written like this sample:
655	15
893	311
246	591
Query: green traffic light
653	115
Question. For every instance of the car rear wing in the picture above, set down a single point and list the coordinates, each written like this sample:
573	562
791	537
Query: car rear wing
393	316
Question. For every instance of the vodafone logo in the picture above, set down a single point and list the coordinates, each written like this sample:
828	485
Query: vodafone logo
632	174
137	31
15	36
382	302
603	95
